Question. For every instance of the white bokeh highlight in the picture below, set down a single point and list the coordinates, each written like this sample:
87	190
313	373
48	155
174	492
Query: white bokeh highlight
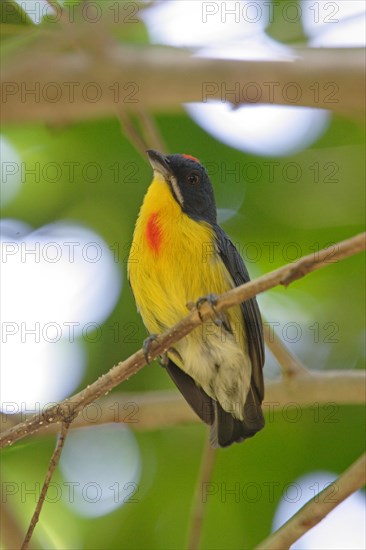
37	9
342	529
35	375
102	465
59	283
266	130
334	24
293	323
196	23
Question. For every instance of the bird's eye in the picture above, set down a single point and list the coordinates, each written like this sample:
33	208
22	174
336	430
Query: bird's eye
193	178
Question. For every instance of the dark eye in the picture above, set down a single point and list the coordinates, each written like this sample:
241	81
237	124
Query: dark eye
193	178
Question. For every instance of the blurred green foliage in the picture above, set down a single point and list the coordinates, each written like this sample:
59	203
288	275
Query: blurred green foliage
325	205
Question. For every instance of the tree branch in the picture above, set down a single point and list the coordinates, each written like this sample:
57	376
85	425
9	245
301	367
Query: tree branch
290	365
160	78
152	133
153	410
205	476
51	468
68	409
132	133
318	507
147	136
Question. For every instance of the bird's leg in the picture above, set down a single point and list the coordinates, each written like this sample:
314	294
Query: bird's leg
212	300
220	320
147	345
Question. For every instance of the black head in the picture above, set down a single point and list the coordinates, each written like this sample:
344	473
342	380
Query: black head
188	182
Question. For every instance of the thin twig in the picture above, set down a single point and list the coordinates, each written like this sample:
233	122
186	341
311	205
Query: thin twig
290	365
51	468
283	275
132	133
147	136
318	507
205	476
151	131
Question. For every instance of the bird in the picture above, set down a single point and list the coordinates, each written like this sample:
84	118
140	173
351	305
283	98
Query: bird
179	255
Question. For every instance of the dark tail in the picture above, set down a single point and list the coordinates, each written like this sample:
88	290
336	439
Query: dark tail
226	429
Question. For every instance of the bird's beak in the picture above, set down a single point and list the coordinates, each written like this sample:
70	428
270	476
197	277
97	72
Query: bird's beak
160	164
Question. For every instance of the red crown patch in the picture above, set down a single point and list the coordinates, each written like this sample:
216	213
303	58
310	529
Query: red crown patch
191	158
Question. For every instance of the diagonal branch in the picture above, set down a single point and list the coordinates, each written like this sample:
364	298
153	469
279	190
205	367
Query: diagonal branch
318	507
152	133
51	468
68	409
290	365
132	133
147	136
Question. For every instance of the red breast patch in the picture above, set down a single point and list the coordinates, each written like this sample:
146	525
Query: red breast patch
191	158
153	232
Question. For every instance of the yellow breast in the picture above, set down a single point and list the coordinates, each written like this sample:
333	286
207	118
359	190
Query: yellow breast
173	260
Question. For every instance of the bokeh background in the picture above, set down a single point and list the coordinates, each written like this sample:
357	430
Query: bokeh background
288	181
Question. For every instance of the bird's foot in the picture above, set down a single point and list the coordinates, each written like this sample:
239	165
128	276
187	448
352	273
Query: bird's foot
147	345
211	299
220	319
163	360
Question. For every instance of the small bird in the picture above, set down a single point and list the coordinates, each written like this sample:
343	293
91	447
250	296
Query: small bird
179	253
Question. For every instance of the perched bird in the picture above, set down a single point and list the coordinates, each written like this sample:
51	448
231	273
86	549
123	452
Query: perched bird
179	254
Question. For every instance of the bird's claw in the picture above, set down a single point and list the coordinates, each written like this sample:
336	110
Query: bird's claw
147	345
212	301
163	360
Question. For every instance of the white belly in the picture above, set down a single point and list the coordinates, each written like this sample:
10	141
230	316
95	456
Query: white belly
218	363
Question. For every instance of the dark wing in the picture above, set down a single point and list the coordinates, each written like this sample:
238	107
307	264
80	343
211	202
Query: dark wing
251	315
200	402
254	330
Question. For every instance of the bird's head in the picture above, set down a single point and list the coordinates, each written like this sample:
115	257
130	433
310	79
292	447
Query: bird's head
188	182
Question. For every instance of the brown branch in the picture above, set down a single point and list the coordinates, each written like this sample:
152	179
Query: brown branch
152	134
290	365
318	507
134	136
162	79
147	136
51	468
323	387
69	408
205	476
153	410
